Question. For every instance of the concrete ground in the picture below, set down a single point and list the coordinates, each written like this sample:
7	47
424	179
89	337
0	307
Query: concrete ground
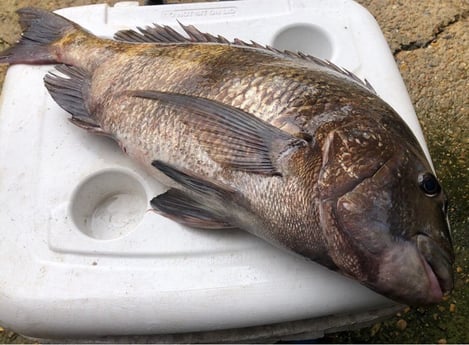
430	42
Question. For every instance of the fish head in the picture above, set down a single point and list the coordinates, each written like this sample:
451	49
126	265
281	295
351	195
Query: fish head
384	214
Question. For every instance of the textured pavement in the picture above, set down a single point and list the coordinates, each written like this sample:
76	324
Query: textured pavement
430	42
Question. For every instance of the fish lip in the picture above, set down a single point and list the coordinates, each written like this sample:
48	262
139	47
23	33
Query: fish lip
435	292
437	264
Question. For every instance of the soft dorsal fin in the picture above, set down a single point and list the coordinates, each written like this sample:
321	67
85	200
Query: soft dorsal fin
166	34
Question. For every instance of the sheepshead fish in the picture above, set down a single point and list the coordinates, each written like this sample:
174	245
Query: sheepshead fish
290	148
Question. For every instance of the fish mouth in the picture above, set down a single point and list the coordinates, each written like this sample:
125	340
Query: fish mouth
435	291
438	266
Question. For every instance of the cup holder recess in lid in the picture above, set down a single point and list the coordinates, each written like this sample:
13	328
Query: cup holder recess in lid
108	204
305	38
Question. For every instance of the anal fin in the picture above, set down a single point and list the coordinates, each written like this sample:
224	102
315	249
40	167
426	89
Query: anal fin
70	92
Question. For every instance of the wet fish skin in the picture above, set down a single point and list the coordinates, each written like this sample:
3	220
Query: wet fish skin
289	148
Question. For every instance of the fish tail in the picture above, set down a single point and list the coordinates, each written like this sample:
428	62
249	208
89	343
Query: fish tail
40	30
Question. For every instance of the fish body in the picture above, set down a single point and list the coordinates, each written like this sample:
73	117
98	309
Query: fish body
285	146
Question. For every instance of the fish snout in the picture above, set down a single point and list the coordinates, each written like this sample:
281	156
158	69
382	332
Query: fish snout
438	260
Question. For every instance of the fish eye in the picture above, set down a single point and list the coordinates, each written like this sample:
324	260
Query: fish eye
429	184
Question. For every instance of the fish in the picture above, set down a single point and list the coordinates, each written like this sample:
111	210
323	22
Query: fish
288	147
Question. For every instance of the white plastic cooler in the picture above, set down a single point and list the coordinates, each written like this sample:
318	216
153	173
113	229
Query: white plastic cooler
81	255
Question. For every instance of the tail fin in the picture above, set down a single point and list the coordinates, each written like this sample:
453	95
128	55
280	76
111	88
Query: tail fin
40	29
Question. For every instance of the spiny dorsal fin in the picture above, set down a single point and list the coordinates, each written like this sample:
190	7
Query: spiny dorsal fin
166	34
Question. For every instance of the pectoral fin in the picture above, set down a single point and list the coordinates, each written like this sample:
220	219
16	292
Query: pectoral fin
232	137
